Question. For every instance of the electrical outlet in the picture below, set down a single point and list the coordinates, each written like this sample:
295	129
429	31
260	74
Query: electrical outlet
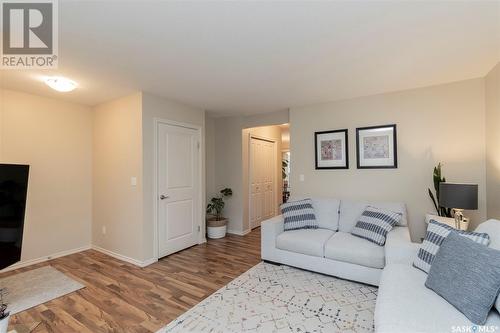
104	230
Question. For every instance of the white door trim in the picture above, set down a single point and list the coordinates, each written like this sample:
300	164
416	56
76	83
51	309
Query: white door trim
276	189
157	121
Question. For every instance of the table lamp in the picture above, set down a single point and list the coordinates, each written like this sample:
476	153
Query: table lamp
458	197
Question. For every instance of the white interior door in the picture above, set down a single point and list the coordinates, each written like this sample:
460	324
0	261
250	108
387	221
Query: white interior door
178	188
262	180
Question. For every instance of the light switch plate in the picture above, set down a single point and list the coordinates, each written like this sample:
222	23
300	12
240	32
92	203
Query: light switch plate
133	181
301	178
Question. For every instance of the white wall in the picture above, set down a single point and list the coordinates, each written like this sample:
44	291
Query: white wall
117	205
493	141
55	139
157	107
444	123
228	160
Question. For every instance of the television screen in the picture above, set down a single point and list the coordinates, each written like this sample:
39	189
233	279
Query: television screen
13	190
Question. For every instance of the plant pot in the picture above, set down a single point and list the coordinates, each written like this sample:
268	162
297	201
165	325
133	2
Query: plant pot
216	229
4	324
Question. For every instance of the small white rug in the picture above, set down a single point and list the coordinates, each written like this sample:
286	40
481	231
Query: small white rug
28	289
271	298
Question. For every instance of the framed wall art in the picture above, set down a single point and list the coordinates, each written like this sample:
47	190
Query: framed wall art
331	149
376	147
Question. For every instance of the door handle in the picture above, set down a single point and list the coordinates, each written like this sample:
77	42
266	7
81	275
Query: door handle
163	197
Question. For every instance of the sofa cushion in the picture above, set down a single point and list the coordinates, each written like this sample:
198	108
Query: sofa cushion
304	241
404	304
492	228
472	290
434	237
326	211
374	224
343	246
350	211
299	215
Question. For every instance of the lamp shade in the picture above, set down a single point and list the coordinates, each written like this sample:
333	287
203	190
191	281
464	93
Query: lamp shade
460	196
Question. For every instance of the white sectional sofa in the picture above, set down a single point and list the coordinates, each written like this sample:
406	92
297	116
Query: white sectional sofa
331	249
404	304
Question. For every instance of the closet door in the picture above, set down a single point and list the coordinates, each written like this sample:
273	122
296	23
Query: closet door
262	170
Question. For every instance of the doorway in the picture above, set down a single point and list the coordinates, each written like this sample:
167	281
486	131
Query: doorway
285	161
178	186
262	174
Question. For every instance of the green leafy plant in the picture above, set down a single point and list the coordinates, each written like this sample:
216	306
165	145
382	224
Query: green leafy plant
216	204
284	165
3	306
437	179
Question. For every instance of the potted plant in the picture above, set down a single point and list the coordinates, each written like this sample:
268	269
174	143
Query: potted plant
4	314
217	224
444	215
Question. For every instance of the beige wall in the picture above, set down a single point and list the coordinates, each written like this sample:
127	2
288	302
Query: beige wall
228	160
267	132
493	141
55	139
157	107
117	204
443	123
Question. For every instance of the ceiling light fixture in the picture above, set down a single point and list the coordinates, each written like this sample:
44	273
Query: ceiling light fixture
60	83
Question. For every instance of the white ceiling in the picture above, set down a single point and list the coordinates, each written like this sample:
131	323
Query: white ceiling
253	57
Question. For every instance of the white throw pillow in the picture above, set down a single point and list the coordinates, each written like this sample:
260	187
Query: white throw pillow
326	211
299	215
374	224
350	211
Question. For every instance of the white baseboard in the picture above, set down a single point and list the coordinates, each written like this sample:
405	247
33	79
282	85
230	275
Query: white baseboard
148	262
125	258
30	262
239	232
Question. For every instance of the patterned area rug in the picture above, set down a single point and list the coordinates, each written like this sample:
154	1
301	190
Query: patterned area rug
271	298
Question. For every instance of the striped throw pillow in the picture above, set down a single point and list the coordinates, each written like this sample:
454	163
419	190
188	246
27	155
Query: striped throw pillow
299	215
436	234
375	223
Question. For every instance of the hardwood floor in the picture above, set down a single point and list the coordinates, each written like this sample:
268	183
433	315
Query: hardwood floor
120	297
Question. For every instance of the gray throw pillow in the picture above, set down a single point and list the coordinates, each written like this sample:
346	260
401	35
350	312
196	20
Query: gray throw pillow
467	275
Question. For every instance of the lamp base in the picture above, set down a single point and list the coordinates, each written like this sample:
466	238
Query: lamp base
461	222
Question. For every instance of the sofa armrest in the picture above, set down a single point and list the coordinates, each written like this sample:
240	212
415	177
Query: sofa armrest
270	229
398	247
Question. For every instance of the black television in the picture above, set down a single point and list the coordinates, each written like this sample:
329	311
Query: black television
13	191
